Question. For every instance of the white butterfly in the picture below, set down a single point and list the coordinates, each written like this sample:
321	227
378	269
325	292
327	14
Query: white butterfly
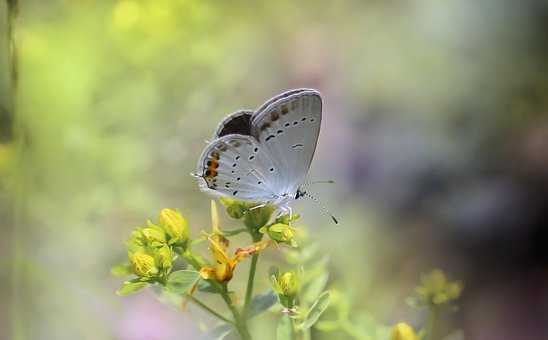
264	156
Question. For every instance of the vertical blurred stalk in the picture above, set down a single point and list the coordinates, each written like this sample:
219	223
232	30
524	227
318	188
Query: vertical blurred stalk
16	276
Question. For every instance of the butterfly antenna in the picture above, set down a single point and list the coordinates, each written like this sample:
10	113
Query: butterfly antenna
321	205
308	183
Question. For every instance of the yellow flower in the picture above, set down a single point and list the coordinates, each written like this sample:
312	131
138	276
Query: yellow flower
175	226
143	264
403	331
224	267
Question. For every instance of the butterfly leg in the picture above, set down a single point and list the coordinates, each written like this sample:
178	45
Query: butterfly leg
290	214
258	206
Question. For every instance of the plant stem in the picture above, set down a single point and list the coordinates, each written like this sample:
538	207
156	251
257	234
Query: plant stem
239	323
250	282
209	310
256	237
433	314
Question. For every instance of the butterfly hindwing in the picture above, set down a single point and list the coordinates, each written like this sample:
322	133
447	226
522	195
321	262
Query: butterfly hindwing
237	166
288	126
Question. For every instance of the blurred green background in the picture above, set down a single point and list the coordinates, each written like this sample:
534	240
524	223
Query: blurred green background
435	130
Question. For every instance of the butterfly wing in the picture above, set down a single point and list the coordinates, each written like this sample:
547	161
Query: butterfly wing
288	126
238	122
237	166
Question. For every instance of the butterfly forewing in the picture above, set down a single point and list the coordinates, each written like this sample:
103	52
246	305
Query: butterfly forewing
288	126
237	166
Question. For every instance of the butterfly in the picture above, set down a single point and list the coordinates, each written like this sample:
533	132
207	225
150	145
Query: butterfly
264	155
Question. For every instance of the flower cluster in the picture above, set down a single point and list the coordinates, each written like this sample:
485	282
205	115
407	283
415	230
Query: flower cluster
156	250
152	249
436	290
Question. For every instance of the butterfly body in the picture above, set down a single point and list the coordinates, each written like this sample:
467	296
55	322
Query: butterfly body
264	155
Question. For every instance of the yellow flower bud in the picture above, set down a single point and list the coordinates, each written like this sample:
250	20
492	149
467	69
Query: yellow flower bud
143	264
403	331
288	284
175	226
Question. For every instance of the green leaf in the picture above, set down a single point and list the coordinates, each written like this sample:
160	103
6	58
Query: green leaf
218	333
181	281
261	303
316	310
315	287
328	326
206	287
121	270
233	232
130	287
285	330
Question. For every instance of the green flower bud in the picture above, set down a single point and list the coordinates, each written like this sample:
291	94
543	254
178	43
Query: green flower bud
143	265
175	226
254	219
164	258
153	235
282	233
287	287
234	208
288	284
285	219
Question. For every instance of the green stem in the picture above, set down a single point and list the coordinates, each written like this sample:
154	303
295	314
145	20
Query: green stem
250	282
239	322
256	237
433	314
209	310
